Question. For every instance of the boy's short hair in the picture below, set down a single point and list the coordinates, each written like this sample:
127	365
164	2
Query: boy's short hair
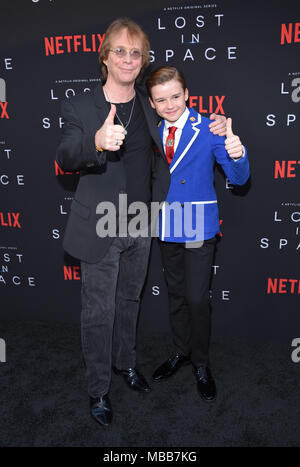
162	75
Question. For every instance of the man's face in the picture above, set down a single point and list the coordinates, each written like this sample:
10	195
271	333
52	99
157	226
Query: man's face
168	99
124	70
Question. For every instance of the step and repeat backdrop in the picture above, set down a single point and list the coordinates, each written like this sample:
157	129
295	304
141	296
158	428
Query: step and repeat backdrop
241	60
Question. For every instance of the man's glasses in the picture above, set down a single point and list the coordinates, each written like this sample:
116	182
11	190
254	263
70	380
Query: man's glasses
122	52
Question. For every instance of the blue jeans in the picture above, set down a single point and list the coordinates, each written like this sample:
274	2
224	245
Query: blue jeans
110	297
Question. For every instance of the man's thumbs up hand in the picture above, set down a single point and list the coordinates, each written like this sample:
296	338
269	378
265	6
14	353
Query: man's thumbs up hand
233	143
110	137
111	116
229	132
218	124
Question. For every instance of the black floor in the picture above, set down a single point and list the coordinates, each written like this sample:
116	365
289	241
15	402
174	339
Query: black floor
43	399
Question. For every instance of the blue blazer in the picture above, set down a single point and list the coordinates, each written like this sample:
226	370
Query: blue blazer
190	211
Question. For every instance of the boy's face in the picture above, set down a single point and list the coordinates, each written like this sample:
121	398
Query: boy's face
168	99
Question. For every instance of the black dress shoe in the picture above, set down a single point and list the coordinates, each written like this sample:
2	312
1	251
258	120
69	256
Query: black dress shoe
205	383
101	410
134	379
171	366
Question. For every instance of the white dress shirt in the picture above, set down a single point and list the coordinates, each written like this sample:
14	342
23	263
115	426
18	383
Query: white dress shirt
179	125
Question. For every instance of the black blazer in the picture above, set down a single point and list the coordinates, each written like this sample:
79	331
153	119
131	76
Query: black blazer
102	175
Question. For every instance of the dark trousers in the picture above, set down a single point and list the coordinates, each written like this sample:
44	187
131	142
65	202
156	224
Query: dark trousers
110	296
187	273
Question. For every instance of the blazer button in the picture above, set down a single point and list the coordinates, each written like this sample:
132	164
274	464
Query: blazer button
182	181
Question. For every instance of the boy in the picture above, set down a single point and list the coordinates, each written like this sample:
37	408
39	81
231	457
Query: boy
191	151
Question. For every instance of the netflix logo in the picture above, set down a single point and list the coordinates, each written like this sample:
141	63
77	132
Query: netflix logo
73	44
280	286
290	33
285	169
220	223
72	273
10	219
59	171
207	105
3	109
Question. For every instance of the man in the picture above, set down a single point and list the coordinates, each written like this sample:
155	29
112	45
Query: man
187	255
108	135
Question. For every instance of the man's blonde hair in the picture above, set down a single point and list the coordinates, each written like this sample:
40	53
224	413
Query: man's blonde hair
134	31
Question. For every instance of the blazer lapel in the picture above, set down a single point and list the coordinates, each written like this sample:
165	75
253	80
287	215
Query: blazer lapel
188	136
161	126
151	119
100	103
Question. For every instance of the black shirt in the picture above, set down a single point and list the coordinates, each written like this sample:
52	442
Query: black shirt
136	152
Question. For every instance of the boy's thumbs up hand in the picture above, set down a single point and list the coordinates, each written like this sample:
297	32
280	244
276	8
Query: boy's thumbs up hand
233	143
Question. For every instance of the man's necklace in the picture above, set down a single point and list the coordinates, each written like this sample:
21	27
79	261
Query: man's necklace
131	112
